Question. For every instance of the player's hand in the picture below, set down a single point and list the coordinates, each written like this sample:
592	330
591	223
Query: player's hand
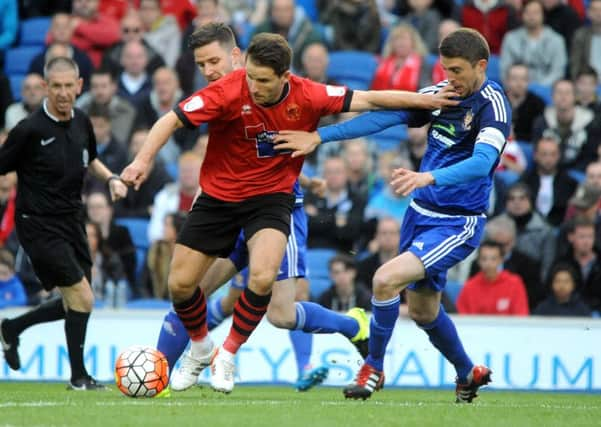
300	142
442	98
118	189
317	186
136	173
404	181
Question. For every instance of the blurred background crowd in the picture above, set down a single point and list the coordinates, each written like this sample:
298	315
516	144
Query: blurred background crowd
541	253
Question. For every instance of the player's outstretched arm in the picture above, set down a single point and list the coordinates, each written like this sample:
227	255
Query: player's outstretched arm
404	181
137	171
396	100
302	143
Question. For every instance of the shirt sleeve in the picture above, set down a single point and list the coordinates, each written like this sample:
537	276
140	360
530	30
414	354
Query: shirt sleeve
329	99
12	150
477	166
203	106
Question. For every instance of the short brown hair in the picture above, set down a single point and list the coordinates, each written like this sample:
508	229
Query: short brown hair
270	50
7	258
465	43
212	32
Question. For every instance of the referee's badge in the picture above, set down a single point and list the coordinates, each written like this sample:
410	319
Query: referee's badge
85	158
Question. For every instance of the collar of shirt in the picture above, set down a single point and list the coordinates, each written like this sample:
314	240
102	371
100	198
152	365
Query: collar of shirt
52	116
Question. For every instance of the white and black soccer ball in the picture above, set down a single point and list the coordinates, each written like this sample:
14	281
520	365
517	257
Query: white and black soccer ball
141	372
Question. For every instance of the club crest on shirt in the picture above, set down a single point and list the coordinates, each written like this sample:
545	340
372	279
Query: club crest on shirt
467	120
85	157
246	109
293	112
195	103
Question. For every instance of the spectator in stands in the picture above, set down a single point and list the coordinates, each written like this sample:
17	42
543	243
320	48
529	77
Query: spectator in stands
586	259
446	27
315	61
385	201
587	83
446	8
403	65
492	18
106	265
586	203
593	174
33	91
162	32
134	82
131	30
93	32
502	230
334	220
176	197
9	24
526	106
493	291
103	91
116	237
12	292
585	44
112	152
139	203
8	195
578	131
535	237
562	18
383	248
415	146
183	11
165	95
290	21
426	20
354	24
345	292
153	281
244	12
563	299
537	46
551	186
359	167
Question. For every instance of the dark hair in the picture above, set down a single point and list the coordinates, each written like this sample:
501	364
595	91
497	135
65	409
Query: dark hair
492	244
587	70
548	135
521	186
270	50
103	71
99	110
579	221
465	43
7	258
60	62
539	2
347	260
564	266
212	32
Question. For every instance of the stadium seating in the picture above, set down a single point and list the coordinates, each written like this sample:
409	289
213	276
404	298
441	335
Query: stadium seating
138	228
16	81
544	91
352	68
33	31
310	9
17	59
389	139
318	270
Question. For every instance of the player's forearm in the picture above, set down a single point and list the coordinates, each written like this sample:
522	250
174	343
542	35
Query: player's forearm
477	166
389	99
158	136
365	124
100	171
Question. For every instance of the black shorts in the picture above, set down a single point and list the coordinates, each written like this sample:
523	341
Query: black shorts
57	246
213	225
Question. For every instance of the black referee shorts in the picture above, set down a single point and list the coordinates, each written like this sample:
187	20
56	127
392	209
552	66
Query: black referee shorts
57	246
213	225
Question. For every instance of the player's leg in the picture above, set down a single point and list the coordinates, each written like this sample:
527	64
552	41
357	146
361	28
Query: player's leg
302	342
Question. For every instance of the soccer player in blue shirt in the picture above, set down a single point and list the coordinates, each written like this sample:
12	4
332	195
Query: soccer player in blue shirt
446	217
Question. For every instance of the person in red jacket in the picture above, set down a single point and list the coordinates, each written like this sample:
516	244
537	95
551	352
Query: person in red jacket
493	290
492	18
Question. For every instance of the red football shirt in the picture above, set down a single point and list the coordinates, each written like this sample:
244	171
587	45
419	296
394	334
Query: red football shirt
240	161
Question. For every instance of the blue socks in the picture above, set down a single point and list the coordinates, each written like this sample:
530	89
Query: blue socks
383	319
302	344
214	313
173	339
443	336
314	318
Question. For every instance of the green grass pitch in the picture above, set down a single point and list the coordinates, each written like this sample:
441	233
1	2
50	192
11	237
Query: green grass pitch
49	404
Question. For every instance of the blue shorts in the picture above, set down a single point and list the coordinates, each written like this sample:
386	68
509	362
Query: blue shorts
440	241
293	263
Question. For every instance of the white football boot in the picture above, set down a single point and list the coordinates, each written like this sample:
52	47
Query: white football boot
223	369
189	370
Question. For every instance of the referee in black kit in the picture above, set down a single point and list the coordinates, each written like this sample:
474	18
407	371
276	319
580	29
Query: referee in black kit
51	151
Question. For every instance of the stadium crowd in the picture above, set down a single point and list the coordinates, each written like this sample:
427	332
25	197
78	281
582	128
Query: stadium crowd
542	253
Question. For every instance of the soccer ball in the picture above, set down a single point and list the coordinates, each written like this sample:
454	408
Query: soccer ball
141	372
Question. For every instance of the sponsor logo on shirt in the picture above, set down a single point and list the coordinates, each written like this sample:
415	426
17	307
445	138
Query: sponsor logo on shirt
45	142
335	90
195	103
448	129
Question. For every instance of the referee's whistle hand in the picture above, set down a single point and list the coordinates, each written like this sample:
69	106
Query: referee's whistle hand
135	174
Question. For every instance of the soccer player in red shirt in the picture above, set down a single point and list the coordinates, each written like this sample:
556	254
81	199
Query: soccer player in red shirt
246	184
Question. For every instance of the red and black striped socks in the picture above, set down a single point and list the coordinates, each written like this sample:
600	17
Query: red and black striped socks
193	314
248	312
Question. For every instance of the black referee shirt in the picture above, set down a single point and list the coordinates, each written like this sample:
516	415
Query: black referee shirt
51	158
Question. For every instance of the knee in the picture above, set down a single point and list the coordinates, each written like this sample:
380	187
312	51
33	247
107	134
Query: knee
261	280
422	315
383	285
179	289
277	316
